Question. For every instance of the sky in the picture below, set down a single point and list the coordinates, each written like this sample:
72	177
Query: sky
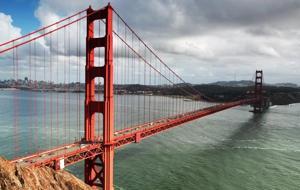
202	40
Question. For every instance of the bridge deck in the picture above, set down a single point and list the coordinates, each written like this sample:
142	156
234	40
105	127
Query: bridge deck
65	155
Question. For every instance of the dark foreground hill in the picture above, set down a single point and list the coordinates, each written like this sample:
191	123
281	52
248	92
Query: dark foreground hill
14	177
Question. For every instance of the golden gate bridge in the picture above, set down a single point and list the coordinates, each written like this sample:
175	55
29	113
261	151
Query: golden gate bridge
113	63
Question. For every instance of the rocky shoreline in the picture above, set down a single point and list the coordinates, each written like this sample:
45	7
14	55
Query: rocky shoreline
14	177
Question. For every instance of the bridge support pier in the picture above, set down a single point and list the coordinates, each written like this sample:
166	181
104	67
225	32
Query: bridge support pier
99	169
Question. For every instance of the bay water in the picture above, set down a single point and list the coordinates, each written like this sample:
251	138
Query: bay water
230	150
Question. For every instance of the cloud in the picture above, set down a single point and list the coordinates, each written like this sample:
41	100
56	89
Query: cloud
202	40
7	30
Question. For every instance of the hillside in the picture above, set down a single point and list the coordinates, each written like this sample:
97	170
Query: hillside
13	177
278	95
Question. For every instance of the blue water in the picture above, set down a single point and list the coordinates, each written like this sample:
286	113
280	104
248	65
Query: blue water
230	150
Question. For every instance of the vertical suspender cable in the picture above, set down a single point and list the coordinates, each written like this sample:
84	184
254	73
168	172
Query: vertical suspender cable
44	94
117	65
57	86
14	103
77	85
69	83
140	83
64	87
150	84
35	100
31	106
79	63
51	93
132	82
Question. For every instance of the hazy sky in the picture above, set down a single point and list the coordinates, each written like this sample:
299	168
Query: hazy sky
202	40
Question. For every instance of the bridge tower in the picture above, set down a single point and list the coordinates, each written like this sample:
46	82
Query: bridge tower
99	169
258	106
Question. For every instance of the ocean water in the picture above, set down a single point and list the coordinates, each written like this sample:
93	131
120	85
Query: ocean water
230	150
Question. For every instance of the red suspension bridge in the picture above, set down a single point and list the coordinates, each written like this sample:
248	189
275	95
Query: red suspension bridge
85	97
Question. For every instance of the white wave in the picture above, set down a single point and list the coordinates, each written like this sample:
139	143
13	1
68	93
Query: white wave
266	148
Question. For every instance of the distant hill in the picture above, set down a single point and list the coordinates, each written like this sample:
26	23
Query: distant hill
292	85
241	83
279	95
245	83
